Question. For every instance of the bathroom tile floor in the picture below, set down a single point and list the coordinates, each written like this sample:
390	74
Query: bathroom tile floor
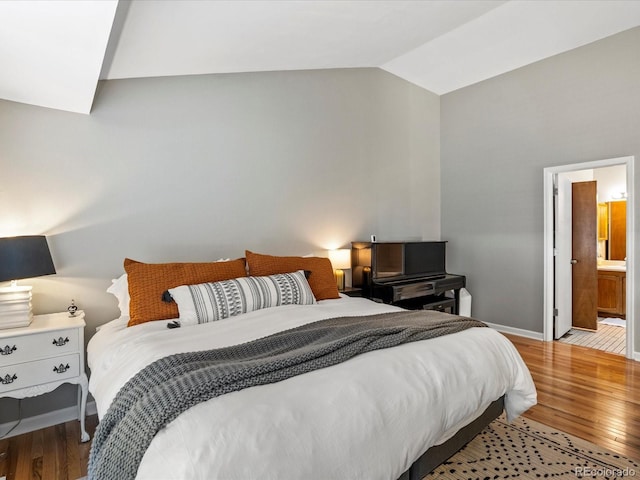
609	338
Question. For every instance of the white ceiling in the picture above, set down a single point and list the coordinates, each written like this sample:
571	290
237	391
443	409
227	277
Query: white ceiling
53	53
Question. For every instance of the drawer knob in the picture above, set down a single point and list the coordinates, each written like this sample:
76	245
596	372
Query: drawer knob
8	379
60	342
8	350
61	368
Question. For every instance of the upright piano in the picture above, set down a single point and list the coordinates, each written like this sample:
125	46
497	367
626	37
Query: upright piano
408	274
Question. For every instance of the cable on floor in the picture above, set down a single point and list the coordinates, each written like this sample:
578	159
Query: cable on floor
17	423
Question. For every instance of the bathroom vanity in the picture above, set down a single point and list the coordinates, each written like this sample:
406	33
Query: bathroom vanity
612	287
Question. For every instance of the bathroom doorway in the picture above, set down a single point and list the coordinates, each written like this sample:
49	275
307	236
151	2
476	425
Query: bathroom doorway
614	276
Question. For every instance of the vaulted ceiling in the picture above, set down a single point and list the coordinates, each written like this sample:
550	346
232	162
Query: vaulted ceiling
53	53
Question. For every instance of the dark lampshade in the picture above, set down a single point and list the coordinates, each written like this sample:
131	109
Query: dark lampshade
25	257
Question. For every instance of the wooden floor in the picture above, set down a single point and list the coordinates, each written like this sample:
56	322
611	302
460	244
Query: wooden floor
53	453
588	393
585	392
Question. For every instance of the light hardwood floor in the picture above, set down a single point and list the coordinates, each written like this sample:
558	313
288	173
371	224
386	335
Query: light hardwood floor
53	453
588	393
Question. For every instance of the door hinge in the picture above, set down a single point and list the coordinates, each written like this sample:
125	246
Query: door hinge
555	312
555	190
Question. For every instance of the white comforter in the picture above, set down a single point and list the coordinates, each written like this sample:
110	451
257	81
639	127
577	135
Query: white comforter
368	418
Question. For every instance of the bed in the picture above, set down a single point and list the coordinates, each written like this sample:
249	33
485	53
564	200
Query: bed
371	417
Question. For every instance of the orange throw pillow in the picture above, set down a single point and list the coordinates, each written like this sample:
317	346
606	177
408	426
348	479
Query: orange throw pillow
321	279
148	281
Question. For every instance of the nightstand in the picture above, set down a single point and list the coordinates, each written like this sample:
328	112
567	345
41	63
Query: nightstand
39	358
352	292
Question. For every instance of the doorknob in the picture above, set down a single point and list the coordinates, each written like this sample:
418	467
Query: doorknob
573	261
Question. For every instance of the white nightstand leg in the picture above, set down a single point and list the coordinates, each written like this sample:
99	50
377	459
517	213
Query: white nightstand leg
84	389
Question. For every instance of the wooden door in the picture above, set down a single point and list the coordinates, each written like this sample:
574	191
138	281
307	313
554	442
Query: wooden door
584	213
618	226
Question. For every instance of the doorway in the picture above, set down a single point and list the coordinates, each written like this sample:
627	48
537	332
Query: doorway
558	256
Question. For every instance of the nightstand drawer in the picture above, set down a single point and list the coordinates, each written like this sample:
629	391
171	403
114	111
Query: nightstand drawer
23	375
40	345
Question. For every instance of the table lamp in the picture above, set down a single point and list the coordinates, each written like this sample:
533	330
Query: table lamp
340	260
21	257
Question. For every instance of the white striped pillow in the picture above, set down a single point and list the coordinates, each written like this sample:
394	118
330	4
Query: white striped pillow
208	302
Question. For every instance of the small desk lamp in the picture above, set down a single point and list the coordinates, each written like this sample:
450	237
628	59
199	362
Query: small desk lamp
340	260
21	257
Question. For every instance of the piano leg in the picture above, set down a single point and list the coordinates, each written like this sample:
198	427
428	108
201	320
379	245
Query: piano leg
456	297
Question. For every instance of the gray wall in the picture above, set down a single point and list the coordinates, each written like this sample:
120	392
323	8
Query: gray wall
498	135
201	167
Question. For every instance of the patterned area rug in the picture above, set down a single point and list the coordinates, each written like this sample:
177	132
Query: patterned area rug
526	449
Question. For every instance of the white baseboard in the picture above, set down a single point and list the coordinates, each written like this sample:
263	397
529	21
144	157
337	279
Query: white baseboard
533	335
49	419
516	331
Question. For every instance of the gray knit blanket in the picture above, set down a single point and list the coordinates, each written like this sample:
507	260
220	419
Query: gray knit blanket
164	389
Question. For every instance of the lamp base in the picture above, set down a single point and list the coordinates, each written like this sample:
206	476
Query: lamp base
15	307
339	274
